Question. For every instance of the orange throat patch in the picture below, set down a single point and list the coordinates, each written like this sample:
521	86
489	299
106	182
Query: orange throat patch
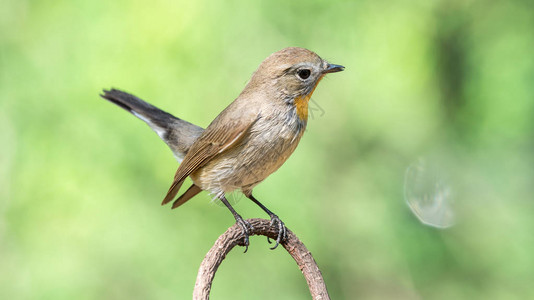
301	103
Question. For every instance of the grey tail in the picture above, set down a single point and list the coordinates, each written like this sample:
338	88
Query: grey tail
156	118
178	134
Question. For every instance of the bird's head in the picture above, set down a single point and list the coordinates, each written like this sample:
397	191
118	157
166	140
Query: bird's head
292	74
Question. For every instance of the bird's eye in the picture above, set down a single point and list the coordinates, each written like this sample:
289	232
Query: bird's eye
304	73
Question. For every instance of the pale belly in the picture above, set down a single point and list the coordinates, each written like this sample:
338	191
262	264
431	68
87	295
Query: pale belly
260	154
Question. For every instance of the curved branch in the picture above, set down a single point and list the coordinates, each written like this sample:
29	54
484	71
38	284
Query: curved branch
234	236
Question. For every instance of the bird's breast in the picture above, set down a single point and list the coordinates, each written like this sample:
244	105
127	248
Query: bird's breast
270	142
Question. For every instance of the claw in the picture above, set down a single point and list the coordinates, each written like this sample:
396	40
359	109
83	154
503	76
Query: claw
245	227
282	232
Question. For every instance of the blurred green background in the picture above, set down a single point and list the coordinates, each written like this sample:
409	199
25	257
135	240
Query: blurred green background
450	82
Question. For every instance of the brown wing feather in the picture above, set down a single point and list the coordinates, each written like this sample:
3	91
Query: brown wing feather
190	193
214	140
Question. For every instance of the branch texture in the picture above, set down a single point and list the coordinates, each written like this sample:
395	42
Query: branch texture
234	236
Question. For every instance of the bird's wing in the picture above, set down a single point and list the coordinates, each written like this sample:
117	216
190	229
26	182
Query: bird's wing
190	193
223	134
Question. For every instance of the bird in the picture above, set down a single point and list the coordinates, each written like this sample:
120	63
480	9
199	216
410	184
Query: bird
249	140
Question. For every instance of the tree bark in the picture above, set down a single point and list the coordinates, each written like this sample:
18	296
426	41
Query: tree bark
234	236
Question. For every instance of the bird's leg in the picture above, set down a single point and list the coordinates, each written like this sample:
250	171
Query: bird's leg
282	233
245	226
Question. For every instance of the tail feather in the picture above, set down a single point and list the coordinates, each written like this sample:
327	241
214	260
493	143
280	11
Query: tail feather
156	118
178	134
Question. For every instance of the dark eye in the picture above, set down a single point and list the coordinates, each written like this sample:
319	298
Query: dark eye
304	73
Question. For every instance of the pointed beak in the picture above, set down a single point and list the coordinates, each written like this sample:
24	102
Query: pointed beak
330	68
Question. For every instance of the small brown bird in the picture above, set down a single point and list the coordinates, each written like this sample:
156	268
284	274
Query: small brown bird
248	140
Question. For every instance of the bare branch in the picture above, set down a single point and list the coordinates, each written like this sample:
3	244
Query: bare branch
234	236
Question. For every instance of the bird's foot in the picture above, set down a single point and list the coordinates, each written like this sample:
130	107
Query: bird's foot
282	231
246	228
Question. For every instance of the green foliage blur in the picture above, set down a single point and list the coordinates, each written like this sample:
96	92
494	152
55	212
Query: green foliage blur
81	180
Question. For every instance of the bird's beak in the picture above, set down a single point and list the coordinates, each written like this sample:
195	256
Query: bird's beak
330	68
